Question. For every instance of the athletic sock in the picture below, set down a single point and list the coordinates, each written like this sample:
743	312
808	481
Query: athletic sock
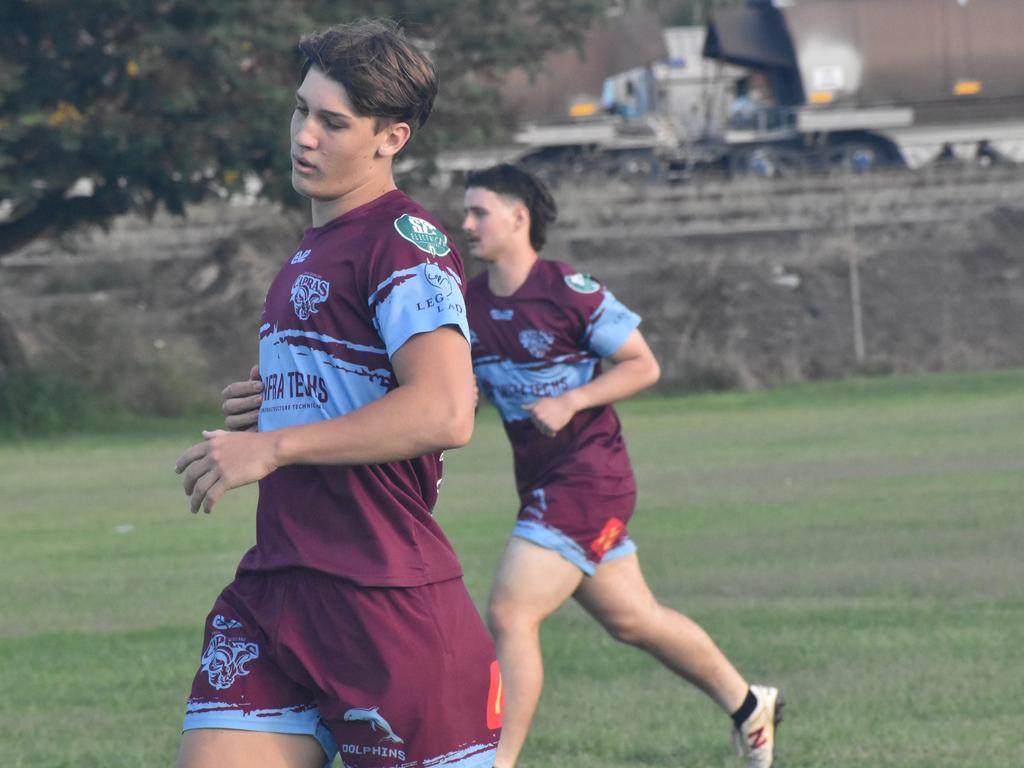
746	709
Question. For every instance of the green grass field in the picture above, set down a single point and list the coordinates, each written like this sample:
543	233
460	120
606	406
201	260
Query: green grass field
858	543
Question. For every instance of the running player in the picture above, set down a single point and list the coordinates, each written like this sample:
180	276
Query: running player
348	628
540	330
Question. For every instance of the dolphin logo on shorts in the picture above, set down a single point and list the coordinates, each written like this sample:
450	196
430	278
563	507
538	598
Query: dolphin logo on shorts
373	717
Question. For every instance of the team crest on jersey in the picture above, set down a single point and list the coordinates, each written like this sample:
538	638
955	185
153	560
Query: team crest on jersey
300	256
423	235
308	292
501	314
537	343
582	283
224	660
219	622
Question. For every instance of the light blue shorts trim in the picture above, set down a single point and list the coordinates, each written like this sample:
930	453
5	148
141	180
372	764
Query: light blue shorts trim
306	722
553	539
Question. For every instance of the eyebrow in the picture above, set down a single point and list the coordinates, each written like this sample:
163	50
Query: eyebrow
325	112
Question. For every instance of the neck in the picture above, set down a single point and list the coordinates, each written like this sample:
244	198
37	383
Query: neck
324	211
507	274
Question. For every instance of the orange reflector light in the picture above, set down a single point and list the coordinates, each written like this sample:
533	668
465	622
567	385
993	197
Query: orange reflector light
821	97
583	109
967	87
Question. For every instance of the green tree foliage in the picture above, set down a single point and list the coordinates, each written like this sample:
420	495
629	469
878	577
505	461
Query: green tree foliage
682	12
165	102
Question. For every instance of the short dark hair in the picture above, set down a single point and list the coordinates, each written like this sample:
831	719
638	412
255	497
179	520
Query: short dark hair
385	76
514	181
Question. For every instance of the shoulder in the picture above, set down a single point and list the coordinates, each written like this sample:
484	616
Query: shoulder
400	235
400	223
568	283
418	226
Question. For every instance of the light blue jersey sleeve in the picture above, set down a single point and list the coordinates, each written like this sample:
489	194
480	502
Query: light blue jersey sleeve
609	326
418	299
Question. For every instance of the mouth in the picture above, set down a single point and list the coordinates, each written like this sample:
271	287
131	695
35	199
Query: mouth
302	166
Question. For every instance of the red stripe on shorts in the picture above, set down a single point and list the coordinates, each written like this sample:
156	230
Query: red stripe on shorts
495	699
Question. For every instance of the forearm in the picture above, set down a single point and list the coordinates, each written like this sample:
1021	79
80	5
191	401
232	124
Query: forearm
621	381
403	424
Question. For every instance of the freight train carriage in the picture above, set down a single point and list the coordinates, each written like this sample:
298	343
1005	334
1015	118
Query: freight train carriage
873	81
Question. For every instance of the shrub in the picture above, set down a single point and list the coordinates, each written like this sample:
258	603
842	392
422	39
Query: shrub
33	404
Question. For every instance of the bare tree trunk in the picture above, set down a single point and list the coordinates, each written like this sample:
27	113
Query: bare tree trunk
12	356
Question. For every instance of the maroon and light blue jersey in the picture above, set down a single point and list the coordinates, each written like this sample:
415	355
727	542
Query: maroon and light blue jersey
355	290
545	339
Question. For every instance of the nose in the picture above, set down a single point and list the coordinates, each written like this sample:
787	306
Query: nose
304	132
468	225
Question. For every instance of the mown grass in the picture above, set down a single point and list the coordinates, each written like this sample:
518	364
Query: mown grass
858	543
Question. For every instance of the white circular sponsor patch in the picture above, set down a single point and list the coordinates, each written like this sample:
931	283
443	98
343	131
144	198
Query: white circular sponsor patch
582	283
422	234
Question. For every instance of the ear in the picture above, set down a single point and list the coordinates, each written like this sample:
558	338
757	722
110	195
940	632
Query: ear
521	216
393	138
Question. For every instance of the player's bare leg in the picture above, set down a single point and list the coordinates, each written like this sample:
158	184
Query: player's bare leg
222	748
619	598
530	584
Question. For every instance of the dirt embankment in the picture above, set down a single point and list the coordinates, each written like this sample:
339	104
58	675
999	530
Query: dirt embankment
752	284
740	284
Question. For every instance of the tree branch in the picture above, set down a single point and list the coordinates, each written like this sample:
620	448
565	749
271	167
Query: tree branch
57	214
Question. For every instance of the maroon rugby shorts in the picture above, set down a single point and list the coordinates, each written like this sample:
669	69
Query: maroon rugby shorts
584	526
389	677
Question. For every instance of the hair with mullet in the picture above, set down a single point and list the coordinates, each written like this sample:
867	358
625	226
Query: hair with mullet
516	182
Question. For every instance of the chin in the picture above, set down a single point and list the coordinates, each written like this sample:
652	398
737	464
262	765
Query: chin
299	186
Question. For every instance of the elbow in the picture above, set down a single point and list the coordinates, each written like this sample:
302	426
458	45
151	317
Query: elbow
653	372
457	427
461	436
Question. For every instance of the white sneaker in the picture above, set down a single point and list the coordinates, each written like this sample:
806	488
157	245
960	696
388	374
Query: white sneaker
755	739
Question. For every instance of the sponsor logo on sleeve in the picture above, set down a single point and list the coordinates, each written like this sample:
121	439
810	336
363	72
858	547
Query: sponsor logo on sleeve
224	660
422	234
537	343
309	291
582	283
438	278
445	298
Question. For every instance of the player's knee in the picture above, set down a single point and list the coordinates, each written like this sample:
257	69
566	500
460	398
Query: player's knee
627	627
499	616
506	617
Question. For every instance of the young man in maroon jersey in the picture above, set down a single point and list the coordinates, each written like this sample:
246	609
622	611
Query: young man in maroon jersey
539	332
348	628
